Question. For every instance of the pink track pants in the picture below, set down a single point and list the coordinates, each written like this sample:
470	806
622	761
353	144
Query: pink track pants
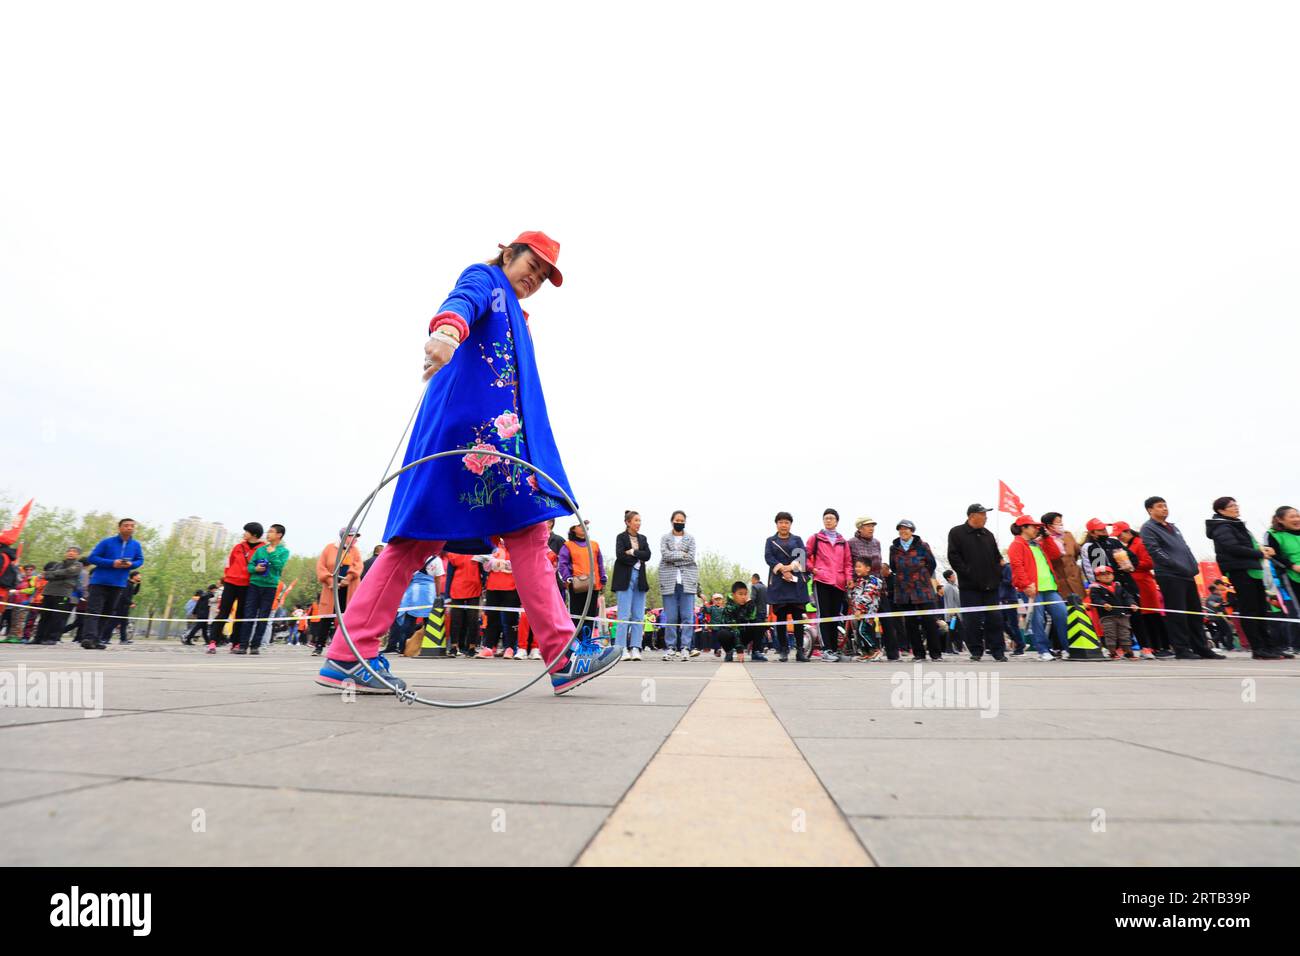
371	612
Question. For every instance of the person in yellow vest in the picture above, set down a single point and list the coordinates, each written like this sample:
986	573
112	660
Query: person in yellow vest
576	572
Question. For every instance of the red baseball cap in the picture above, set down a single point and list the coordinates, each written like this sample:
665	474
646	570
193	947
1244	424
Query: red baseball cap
1105	567
1024	520
1096	524
544	247
1119	526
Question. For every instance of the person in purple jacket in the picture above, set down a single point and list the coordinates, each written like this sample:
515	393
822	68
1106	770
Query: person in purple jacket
575	573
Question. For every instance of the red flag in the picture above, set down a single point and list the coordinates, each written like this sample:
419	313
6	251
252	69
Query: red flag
10	534
1008	501
281	590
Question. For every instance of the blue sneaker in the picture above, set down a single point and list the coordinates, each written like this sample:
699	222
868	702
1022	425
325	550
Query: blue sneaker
342	674
586	660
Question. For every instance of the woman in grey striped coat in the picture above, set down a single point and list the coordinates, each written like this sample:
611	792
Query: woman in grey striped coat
679	578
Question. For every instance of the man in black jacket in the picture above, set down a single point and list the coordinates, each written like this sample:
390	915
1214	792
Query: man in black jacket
974	555
1176	570
1241	557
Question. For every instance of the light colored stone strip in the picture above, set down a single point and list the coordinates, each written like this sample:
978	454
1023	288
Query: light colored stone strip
727	788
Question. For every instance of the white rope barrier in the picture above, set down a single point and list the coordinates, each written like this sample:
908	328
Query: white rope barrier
811	619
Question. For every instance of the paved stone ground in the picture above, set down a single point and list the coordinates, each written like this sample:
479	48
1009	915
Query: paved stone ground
653	763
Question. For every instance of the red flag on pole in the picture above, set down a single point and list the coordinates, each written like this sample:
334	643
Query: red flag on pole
1008	501
281	590
10	534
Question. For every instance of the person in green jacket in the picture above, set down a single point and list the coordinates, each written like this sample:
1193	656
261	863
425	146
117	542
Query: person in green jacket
264	569
1284	539
730	620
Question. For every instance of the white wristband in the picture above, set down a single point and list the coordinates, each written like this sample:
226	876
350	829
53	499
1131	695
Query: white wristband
445	339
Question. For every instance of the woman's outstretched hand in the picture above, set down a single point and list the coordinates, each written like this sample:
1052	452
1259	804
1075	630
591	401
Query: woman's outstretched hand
436	355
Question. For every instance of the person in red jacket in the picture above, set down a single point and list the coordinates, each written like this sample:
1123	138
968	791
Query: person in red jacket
234	584
464	590
830	562
1148	624
501	593
1031	574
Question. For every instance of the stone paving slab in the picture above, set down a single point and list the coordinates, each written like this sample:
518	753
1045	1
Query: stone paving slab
153	824
899	841
1184	768
711	799
885	724
1252	741
1048	778
478	754
144	743
12	716
17	786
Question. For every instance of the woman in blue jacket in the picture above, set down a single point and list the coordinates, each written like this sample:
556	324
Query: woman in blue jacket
485	397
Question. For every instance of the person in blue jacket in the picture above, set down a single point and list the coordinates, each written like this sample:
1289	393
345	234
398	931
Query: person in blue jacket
113	559
417	604
485	398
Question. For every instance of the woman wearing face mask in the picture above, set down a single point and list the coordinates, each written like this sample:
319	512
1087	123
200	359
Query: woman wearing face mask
1241	556
486	397
830	563
913	566
1065	564
679	579
629	583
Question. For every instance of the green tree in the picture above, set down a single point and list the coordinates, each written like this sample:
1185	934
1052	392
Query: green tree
300	570
172	572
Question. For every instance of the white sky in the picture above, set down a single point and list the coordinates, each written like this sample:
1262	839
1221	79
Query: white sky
875	256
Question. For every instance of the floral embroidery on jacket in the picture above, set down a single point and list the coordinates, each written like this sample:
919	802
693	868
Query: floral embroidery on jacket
497	476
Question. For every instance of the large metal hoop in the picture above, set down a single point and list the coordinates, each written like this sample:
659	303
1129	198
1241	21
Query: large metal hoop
408	695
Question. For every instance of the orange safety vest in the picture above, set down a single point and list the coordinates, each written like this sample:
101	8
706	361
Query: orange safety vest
578	555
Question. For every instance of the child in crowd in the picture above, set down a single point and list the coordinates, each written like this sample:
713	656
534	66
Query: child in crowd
730	620
649	633
1217	620
1115	602
864	602
712	613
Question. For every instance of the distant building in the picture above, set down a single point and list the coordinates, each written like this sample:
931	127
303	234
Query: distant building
194	532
